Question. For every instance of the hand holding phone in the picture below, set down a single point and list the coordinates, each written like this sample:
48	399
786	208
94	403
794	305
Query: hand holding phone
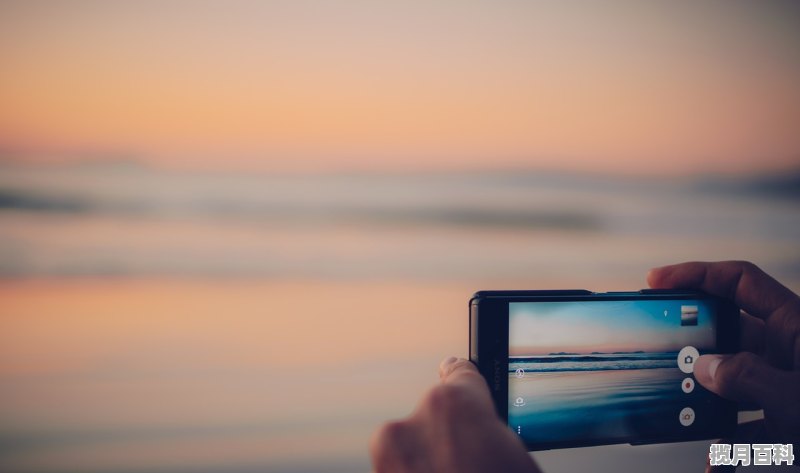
770	336
765	374
576	368
454	429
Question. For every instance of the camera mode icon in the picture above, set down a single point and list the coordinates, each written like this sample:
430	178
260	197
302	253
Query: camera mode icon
686	417
686	358
519	402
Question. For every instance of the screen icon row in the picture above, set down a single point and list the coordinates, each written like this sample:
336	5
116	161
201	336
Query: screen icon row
686	360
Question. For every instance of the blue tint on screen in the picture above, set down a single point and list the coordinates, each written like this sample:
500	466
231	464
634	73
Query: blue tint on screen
592	370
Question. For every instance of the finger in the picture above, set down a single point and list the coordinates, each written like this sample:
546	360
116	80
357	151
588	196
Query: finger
446	366
394	447
743	377
751	334
751	288
460	371
452	369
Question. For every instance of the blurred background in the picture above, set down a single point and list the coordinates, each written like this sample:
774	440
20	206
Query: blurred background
238	236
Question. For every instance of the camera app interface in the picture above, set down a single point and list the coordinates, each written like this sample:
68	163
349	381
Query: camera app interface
605	370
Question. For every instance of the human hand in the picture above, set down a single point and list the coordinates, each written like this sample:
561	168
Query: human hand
767	370
454	429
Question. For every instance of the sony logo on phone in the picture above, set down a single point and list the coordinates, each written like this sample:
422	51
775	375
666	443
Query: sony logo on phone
499	373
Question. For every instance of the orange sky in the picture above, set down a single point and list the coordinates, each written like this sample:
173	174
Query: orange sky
273	86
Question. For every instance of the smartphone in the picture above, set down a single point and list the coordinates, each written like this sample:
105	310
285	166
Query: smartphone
574	368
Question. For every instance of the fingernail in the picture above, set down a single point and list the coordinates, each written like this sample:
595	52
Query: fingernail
444	366
714	364
447	362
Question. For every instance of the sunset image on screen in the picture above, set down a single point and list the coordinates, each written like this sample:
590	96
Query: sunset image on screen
607	370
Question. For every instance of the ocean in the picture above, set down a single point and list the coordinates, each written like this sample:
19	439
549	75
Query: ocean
168	321
127	220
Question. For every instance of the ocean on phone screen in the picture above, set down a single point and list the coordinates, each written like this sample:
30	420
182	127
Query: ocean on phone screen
607	403
592	362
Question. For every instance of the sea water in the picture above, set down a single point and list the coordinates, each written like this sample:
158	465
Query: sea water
162	320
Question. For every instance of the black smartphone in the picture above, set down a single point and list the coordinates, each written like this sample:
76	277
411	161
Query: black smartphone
574	368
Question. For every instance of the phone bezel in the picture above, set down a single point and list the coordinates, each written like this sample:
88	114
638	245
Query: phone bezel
488	326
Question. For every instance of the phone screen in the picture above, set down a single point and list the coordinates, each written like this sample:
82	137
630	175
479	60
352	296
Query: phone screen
607	371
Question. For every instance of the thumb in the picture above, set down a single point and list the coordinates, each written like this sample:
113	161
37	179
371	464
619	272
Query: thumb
458	371
743	377
463	376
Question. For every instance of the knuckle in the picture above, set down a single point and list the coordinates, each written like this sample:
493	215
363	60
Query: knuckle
739	370
745	361
392	447
744	272
446	400
387	446
747	265
390	433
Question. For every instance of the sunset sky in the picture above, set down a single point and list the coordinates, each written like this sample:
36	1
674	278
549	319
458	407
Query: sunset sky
623	87
541	328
